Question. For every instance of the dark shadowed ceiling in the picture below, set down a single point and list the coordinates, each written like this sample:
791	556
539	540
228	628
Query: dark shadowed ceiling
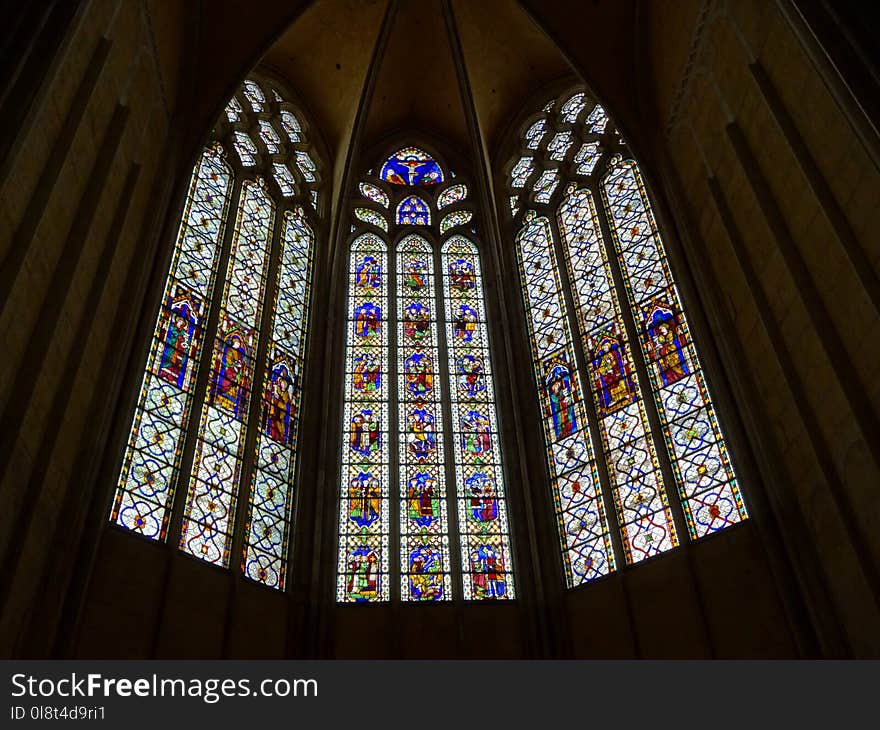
513	50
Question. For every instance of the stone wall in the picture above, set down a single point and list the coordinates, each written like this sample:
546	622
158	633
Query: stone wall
765	172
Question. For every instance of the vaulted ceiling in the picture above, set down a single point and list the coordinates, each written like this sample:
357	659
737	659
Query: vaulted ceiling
514	52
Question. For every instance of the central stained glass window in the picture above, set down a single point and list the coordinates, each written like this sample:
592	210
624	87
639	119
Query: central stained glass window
421	465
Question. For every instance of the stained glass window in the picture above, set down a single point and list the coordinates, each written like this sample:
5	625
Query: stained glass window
284	177
374	193
422	472
210	505
545	185
521	171
371	217
452	195
559	145
152	461
270	137
254	95
306	166
233	110
587	157
411	166
597	120
424	531
634	472
264	558
246	149
291	126
364	517
706	482
482	504
455	218
574	106
609	255
577	496
413	211
535	134
242	446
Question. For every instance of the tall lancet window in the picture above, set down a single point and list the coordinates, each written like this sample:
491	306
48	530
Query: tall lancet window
211	460
638	463
422	510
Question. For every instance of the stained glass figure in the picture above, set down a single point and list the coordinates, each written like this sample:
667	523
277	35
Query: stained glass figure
270	137
583	526
521	171
482	504
545	185
411	166
264	557
453	194
535	134
455	218
291	126
246	149
371	217
636	480
374	193
413	211
424	528
151	465
284	177
706	481
209	514
364	509
254	94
